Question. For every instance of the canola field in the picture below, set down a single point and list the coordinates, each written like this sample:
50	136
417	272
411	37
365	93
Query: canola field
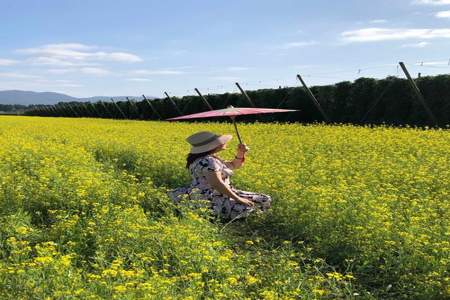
358	213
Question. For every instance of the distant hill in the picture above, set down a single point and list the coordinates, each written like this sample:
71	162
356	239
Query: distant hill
29	97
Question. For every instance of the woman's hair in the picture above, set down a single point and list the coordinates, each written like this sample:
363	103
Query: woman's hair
193	156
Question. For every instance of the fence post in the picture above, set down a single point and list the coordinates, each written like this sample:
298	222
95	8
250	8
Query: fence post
80	110
313	98
51	110
375	103
173	103
204	99
45	110
118	108
418	93
74	111
87	110
62	110
39	110
106	109
245	94
133	106
152	107
97	114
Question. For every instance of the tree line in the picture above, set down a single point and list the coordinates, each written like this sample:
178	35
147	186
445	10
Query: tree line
389	101
12	108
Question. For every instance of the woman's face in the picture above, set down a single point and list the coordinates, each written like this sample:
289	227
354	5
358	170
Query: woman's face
222	147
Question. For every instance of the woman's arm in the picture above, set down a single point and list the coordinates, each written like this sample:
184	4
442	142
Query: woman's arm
235	163
215	180
238	160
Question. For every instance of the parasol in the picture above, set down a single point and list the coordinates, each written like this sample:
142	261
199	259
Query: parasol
232	112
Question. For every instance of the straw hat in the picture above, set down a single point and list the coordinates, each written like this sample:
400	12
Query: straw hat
204	141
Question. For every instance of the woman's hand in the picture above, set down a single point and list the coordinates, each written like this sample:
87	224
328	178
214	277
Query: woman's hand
242	149
245	201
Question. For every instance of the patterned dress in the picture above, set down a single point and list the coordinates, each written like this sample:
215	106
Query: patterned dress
222	205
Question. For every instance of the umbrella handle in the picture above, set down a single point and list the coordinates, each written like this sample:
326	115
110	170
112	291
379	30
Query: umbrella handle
237	132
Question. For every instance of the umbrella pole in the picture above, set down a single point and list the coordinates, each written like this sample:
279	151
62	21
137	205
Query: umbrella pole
237	132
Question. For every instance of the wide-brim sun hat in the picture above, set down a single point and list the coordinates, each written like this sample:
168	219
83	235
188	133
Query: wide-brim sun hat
204	141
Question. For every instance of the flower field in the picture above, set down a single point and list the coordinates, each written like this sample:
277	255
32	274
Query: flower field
357	213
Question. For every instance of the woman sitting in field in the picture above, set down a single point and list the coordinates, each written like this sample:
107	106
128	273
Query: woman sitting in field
211	178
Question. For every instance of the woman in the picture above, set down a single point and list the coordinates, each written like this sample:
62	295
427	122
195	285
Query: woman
211	177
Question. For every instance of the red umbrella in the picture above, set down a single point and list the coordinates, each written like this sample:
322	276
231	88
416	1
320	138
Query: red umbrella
232	112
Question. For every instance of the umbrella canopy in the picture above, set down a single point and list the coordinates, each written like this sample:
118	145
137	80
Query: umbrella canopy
231	111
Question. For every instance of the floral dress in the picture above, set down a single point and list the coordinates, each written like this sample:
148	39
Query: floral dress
221	204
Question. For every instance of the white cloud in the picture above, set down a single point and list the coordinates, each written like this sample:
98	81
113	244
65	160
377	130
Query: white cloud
416	45
432	2
443	14
60	71
7	62
57	83
118	56
75	54
139	79
292	45
85	70
58	62
15	75
158	72
94	71
37	83
378	21
386	34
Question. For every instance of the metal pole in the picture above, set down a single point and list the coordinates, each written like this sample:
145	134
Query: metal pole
245	94
204	99
118	108
61	112
186	105
80	110
52	110
418	93
95	109
38	110
133	105
173	103
88	111
106	109
71	108
43	109
56	110
152	107
313	98
376	102
67	111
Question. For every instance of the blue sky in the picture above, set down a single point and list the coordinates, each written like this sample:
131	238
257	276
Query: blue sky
88	48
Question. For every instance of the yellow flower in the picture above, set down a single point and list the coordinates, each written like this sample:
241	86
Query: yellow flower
251	279
22	230
269	295
43	260
232	280
120	288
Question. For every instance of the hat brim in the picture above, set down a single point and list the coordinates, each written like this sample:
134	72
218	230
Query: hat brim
223	139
